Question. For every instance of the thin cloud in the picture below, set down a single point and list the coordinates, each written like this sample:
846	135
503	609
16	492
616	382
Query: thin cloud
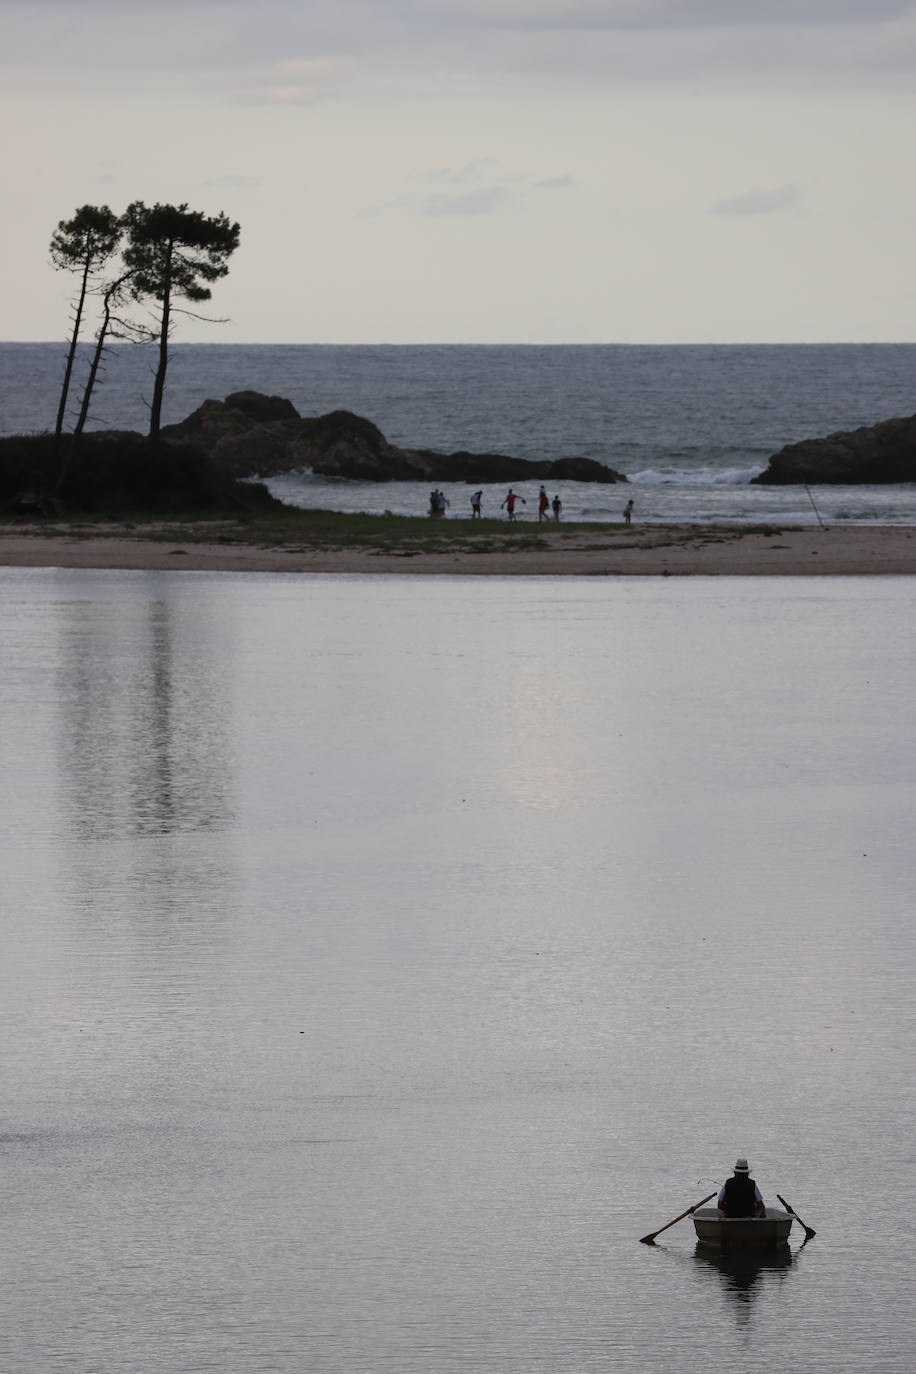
661	14
234	181
486	171
480	200
759	202
610	14
482	188
300	81
258	53
467	172
483	200
385	207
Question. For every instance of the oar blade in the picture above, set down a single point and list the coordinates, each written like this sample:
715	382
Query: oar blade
809	1231
650	1238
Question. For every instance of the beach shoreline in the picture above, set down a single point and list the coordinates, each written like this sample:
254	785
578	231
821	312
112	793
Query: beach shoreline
681	551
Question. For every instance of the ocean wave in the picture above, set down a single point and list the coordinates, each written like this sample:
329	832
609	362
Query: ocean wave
693	477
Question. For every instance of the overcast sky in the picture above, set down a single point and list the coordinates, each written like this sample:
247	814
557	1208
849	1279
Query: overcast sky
516	171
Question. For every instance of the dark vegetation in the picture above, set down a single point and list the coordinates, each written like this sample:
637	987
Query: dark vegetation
147	259
117	474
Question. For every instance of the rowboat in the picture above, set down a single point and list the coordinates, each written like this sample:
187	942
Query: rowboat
742	1233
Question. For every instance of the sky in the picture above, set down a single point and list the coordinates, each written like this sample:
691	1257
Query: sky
482	171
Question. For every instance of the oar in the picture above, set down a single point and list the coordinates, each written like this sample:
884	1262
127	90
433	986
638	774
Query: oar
647	1240
809	1232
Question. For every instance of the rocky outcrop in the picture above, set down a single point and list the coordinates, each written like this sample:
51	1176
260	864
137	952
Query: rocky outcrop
885	452
251	435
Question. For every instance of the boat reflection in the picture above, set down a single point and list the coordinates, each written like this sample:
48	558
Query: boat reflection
743	1276
744	1267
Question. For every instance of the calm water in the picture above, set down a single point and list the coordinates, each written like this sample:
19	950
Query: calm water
383	957
689	426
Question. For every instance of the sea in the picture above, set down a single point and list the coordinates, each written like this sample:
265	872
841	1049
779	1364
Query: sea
688	426
384	956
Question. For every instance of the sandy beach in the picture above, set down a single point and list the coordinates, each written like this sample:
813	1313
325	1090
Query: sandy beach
651	552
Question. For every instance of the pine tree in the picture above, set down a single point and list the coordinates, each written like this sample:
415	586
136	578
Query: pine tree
83	244
174	253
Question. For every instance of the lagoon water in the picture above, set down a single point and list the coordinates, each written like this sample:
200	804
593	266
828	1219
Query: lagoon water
384	956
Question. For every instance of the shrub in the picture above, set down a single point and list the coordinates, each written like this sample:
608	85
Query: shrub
113	472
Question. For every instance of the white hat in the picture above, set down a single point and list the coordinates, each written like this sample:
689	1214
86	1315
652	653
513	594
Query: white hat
742	1166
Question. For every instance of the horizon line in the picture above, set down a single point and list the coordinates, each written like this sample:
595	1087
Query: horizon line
468	343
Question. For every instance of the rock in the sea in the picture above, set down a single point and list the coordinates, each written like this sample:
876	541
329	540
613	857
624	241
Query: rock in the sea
581	470
880	453
261	408
250	435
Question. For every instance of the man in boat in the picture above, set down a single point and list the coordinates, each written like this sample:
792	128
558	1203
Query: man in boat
740	1196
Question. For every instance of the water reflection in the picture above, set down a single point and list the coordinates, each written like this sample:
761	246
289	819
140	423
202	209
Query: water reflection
145	773
740	1282
154	783
743	1277
145	741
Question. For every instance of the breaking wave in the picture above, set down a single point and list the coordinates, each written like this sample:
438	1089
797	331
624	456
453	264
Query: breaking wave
695	476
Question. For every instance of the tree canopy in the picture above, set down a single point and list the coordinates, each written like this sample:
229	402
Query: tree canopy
87	240
82	244
172	250
174	253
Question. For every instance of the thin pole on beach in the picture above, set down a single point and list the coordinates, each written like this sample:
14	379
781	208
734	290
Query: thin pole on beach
816	511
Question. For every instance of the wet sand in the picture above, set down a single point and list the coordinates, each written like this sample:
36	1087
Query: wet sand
651	552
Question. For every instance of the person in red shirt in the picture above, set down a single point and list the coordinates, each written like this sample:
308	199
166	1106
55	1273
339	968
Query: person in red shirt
510	501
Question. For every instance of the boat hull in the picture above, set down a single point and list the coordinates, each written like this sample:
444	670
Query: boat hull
742	1233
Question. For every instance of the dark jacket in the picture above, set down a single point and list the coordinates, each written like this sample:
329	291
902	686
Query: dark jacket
739	1200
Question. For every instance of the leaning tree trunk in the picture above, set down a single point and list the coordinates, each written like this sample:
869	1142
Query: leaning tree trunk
98	353
71	355
155	415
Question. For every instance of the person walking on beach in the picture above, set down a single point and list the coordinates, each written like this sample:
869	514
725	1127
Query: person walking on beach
543	505
476	498
739	1195
557	505
510	501
628	512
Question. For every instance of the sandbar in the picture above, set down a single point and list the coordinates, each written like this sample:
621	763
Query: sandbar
650	551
